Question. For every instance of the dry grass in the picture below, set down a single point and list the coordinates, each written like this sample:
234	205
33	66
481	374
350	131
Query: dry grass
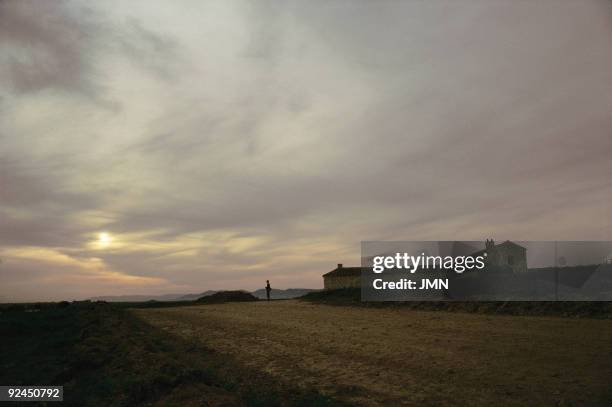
400	356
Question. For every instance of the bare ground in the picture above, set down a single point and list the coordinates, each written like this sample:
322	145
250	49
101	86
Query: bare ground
398	356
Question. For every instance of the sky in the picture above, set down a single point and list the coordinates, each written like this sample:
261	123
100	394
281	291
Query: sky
152	147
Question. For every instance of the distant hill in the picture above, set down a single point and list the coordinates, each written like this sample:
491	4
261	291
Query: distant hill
193	297
228	296
278	294
261	293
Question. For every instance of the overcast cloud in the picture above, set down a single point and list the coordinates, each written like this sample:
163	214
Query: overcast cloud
223	143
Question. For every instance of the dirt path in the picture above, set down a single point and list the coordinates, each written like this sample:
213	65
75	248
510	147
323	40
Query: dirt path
381	356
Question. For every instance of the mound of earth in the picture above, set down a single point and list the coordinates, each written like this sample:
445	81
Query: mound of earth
227	296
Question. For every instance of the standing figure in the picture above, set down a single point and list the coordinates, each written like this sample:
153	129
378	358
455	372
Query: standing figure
268	289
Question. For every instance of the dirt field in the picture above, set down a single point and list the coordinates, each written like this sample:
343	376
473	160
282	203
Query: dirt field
397	356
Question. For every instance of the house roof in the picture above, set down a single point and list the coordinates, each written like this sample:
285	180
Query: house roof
344	272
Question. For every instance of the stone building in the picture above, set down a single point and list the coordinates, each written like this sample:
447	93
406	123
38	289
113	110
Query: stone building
342	277
505	255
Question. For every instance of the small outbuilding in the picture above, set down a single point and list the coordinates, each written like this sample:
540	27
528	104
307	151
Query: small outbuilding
342	277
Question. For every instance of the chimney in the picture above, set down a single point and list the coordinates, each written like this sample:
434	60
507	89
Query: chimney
339	265
489	244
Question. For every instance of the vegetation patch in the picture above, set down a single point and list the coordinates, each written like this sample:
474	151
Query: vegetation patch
574	309
104	356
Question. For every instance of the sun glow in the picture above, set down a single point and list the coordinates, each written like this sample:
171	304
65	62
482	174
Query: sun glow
104	239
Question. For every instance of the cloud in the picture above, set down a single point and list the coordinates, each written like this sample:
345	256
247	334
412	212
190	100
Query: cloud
45	46
25	269
59	45
221	143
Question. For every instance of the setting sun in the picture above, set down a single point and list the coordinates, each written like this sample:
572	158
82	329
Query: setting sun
104	239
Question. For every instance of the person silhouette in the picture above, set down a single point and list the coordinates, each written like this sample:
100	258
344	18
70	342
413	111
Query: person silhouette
268	289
